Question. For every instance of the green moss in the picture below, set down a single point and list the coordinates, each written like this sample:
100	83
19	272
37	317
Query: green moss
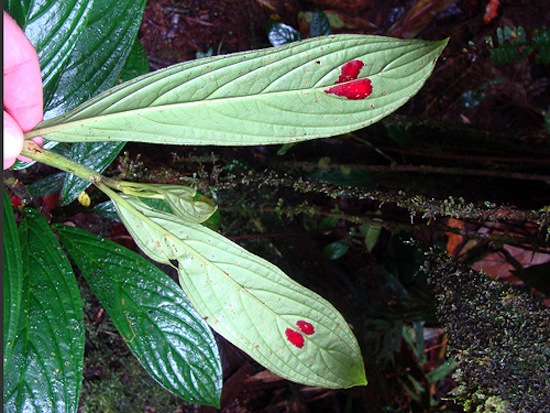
125	387
499	337
484	404
114	380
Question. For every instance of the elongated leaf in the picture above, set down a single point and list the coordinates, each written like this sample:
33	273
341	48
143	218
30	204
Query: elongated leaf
284	326
45	372
305	90
160	326
54	28
13	280
98	57
97	156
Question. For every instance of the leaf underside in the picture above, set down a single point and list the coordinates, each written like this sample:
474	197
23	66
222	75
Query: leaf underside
277	95
249	301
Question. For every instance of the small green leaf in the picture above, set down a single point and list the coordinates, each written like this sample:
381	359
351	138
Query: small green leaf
335	250
285	327
278	95
371	233
45	371
345	176
97	156
320	26
280	34
181	200
160	326
13	280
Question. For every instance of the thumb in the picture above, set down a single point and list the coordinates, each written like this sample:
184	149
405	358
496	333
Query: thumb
13	140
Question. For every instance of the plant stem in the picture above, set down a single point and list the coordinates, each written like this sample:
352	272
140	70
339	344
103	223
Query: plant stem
36	153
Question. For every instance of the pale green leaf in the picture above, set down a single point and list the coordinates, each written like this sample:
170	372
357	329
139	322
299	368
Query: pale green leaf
181	199
277	95
249	301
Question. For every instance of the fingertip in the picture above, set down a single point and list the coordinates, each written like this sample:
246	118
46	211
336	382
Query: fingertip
12	142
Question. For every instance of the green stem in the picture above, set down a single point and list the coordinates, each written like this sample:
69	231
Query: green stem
36	153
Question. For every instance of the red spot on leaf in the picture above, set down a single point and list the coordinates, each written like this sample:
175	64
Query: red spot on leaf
307	328
294	337
355	90
350	71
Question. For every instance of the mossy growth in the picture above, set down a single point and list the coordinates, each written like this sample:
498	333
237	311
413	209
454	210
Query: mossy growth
114	380
499	335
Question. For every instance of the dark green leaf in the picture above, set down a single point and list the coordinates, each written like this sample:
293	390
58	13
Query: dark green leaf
280	34
54	28
13	280
328	223
137	63
95	155
320	26
441	371
48	185
399	132
45	372
98	56
335	250
345	177
371	233
107	209
153	315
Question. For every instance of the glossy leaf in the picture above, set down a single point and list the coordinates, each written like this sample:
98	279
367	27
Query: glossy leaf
280	34
136	64
13	280
54	28
336	249
48	185
97	156
158	323
45	371
320	26
249	301
269	96
99	55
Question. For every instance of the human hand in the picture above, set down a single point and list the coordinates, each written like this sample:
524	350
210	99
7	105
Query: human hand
23	99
